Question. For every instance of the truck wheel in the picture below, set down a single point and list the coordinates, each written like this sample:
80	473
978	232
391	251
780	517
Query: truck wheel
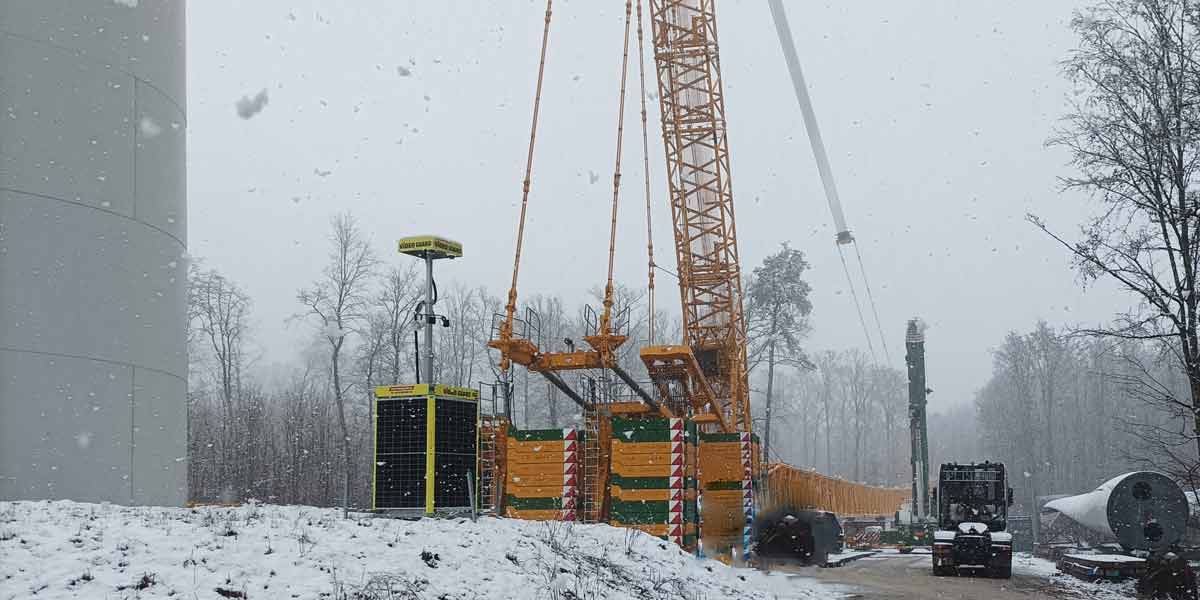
1003	571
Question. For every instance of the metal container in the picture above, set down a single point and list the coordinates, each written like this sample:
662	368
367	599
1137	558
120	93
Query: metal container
93	271
1143	510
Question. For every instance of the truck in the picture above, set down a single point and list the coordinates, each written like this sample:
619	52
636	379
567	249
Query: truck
972	501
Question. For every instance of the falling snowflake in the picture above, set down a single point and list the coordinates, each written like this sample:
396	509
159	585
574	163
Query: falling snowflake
149	128
248	107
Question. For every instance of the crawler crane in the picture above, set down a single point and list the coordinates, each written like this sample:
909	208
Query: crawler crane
702	380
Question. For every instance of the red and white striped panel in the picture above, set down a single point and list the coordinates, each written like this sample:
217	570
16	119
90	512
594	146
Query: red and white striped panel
675	520
747	488
570	491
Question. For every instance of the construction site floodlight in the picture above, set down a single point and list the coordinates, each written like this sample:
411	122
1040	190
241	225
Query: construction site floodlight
430	246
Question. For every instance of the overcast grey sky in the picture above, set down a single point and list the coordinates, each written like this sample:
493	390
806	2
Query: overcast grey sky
935	115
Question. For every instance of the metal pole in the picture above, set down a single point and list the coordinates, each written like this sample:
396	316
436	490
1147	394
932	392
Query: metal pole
471	494
429	318
1035	514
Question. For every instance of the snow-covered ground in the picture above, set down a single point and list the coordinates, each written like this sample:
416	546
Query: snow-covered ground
74	550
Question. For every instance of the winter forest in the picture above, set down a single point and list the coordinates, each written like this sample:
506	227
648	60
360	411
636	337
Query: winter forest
281	439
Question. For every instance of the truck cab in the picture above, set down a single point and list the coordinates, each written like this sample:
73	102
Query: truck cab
972	501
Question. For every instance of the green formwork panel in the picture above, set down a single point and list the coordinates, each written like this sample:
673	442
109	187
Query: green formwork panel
648	483
717	486
539	435
533	503
638	518
650	516
726	437
627	506
635	436
628	424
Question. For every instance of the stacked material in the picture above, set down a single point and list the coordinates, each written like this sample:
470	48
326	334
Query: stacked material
653	478
542	477
792	488
728	464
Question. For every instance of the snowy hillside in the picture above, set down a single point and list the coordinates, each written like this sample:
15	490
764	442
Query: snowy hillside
74	550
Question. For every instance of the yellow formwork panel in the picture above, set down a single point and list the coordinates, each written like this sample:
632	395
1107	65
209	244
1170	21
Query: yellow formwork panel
721	513
535	491
722	461
534	469
619	463
663	470
619	447
539	480
535	458
552	514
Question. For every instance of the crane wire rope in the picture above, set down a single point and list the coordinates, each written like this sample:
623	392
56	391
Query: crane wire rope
788	45
646	175
858	306
887	356
605	320
511	307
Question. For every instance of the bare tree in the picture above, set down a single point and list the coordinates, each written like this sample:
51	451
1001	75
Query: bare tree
1110	418
890	387
1049	353
384	350
337	303
826	362
219	321
1134	137
399	293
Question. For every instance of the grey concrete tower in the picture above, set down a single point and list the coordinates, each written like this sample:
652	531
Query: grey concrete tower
93	356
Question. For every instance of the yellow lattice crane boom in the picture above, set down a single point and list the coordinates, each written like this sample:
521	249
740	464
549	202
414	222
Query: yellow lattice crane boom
692	103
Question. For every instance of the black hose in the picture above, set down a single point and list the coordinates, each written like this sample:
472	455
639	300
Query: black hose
417	354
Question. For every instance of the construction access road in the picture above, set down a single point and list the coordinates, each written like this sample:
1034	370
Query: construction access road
893	576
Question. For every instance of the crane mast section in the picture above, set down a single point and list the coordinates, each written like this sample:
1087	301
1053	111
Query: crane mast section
692	104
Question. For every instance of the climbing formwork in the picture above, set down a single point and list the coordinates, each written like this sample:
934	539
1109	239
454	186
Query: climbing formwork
729	481
541	481
654	478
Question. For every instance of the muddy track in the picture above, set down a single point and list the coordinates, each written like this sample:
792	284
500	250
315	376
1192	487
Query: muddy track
909	577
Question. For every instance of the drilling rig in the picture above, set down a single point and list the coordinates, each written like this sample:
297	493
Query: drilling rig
914	343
